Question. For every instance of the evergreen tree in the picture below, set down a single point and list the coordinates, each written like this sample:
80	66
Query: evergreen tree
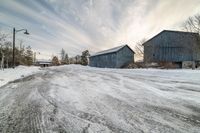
62	53
84	57
29	56
66	60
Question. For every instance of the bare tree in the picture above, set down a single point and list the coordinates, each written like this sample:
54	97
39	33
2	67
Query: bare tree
139	48
2	60
192	24
55	61
2	42
7	52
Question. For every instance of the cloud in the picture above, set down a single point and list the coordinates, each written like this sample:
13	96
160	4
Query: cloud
92	24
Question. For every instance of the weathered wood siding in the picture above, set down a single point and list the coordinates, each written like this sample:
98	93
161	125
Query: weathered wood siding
171	46
124	57
104	61
113	60
196	48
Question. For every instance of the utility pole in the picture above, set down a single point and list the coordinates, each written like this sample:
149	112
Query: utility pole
13	60
14	32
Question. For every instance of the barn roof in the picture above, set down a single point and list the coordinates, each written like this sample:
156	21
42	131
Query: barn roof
112	50
167	31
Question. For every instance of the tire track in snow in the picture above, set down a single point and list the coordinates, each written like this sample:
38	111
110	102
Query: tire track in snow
121	103
24	113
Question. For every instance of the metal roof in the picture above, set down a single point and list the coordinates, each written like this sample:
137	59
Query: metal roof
166	31
112	50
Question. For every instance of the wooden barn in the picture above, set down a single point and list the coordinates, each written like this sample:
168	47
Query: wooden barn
117	57
176	47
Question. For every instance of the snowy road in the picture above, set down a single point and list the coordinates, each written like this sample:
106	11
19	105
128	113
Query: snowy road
76	99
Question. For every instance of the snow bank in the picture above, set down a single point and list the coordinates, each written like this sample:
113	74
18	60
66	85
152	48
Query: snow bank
11	74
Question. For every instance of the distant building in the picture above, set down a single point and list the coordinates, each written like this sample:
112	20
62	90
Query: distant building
180	48
43	63
117	57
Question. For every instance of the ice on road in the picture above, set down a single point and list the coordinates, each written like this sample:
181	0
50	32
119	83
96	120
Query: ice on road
77	99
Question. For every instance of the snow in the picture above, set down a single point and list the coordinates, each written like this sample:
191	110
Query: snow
162	96
11	74
115	49
75	98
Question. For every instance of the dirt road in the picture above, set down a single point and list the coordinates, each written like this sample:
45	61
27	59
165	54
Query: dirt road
75	99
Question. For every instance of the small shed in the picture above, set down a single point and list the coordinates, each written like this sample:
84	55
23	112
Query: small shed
43	63
117	57
174	47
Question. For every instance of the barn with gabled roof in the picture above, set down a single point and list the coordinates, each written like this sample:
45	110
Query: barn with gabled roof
175	47
117	57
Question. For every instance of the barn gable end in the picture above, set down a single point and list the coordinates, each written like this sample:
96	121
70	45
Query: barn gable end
112	58
172	46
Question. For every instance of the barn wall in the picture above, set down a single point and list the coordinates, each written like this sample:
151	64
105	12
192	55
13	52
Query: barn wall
124	57
148	53
104	61
171	46
196	54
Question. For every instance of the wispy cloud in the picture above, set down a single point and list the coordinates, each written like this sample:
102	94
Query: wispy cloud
92	24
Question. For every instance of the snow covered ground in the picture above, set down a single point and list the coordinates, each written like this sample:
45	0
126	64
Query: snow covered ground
11	74
81	99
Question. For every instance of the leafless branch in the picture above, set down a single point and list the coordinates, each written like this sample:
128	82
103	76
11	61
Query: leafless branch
192	24
139	49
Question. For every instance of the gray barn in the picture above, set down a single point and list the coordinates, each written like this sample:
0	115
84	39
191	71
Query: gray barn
173	46
117	57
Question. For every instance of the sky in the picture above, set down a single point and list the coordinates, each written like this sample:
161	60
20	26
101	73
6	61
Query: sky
77	25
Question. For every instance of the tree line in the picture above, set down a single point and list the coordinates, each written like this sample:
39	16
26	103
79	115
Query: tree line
65	59
23	54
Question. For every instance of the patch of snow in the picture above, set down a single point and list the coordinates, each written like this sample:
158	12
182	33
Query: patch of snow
11	74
